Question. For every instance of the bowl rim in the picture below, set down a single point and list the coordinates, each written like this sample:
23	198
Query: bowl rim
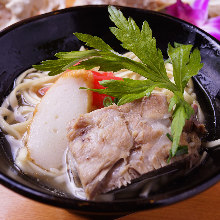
81	7
57	201
70	203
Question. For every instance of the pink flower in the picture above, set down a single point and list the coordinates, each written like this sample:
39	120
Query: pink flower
196	14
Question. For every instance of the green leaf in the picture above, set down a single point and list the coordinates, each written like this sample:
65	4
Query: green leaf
113	62
177	44
179	57
182	112
173	101
177	98
54	66
193	67
66	60
126	90
94	42
118	88
185	65
141	43
107	101
131	97
180	149
177	125
105	64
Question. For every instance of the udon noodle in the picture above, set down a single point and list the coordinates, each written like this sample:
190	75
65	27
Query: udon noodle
17	111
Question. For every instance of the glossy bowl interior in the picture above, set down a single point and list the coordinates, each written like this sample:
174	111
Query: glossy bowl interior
39	38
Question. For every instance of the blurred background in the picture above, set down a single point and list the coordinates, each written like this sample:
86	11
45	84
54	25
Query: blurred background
12	11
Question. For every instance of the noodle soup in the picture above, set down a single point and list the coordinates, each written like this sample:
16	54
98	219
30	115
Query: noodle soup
17	114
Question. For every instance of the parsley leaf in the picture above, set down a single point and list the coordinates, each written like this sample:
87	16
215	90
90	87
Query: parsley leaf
66	60
186	63
180	150
126	90
107	101
93	41
141	43
179	117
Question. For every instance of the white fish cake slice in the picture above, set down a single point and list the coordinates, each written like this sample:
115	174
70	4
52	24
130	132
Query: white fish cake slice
64	101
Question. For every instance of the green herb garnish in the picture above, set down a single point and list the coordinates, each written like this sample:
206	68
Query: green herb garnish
107	101
181	149
186	63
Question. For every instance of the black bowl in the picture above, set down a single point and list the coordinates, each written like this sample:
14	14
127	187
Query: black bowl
33	40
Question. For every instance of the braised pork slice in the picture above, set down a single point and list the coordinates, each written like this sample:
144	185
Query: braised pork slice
114	145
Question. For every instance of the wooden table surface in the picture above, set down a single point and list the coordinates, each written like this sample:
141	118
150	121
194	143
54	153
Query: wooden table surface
203	206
